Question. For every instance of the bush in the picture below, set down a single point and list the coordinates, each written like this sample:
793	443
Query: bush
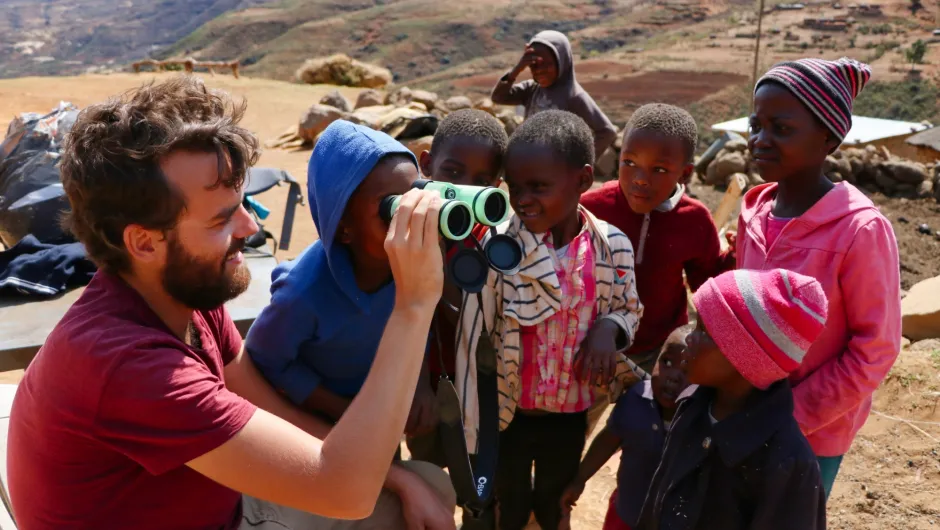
914	101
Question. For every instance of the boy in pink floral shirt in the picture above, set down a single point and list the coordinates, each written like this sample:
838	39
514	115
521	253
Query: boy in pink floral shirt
559	326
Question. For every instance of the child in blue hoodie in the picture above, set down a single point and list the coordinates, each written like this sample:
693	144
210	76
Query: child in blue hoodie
317	339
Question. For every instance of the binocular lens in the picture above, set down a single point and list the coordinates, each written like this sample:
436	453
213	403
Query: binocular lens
456	220
495	208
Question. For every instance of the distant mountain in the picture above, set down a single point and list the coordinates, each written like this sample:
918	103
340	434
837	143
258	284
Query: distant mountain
42	37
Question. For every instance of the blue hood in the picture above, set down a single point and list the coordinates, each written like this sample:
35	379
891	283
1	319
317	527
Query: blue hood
343	157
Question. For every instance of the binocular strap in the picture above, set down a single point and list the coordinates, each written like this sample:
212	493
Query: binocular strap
473	484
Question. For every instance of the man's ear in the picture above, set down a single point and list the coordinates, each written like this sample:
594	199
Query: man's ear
687	174
585	178
424	163
143	245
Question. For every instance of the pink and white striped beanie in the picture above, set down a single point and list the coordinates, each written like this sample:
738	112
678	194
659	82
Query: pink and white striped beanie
762	321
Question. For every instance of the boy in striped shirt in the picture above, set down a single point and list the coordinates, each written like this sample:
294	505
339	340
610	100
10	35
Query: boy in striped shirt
560	325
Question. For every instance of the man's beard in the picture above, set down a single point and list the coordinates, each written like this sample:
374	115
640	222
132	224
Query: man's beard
203	285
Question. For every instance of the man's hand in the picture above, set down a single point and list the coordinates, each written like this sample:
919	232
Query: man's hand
569	498
420	504
414	252
598	354
423	417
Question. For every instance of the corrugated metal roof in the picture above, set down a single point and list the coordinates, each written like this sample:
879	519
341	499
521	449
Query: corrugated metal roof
864	129
929	138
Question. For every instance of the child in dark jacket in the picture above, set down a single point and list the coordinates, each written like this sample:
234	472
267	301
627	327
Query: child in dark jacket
735	457
553	86
468	149
638	425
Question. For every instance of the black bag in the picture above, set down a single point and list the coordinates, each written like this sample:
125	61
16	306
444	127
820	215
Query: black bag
31	196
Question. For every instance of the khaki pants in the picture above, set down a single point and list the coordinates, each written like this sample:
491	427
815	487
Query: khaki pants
263	515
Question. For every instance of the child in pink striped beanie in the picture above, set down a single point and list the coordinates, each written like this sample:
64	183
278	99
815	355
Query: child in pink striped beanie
735	457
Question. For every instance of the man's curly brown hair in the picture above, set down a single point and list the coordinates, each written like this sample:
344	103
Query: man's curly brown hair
111	158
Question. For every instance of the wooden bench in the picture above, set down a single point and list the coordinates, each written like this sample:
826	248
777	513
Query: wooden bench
25	323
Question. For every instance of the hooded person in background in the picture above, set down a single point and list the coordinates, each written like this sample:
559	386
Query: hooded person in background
553	86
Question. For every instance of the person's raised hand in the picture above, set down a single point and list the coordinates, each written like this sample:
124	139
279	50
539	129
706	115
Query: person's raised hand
414	251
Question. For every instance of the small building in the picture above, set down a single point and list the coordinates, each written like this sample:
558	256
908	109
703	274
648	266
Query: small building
892	134
927	145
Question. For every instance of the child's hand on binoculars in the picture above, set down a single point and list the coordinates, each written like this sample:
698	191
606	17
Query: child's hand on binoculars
598	355
414	251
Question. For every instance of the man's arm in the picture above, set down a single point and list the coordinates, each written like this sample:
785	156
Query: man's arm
243	378
342	476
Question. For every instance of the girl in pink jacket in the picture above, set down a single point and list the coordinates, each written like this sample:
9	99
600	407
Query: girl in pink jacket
803	222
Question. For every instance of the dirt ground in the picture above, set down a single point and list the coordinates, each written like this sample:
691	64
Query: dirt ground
891	477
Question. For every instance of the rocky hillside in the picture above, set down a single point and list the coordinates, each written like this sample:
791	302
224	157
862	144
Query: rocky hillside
39	37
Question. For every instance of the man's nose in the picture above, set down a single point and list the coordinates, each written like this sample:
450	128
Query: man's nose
245	225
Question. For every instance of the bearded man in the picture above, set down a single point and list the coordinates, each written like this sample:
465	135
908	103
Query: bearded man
141	409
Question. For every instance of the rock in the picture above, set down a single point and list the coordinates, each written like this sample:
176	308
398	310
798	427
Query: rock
510	120
905	343
885	182
340	69
429	99
904	220
335	99
725	165
369	98
753	179
920	311
317	118
486	105
905	171
737	145
606	165
925	189
834	176
926	346
457	103
417	106
924	229
420	145
399	96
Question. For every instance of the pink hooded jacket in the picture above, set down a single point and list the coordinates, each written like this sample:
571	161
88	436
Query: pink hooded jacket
849	247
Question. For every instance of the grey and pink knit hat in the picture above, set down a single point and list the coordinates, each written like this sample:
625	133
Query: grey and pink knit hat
827	88
762	321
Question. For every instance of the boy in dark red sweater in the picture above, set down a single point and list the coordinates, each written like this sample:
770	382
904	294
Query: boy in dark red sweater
670	232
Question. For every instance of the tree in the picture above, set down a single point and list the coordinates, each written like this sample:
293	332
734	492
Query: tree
915	54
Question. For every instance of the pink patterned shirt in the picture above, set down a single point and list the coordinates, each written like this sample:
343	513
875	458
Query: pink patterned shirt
549	348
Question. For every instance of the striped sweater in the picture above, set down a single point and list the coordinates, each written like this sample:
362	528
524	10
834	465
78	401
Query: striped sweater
530	297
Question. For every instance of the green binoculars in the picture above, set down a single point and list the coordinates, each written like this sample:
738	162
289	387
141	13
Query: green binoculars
463	206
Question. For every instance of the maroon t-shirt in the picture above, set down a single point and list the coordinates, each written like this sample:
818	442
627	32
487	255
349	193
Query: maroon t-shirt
110	411
684	239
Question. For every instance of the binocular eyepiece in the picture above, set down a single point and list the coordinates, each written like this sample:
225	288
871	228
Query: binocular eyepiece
463	206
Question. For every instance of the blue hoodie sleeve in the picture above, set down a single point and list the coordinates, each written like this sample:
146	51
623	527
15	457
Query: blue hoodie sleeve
275	339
